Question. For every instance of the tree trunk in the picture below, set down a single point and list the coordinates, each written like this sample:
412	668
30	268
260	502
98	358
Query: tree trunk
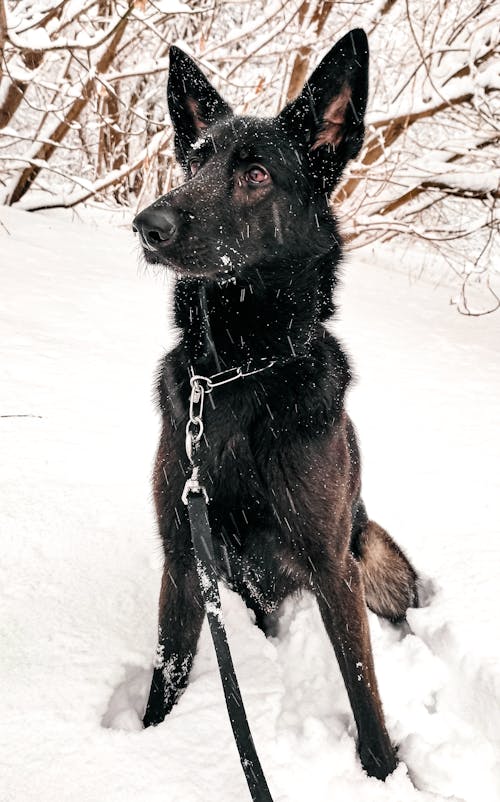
16	89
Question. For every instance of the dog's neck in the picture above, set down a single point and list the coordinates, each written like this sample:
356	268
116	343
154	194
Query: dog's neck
275	312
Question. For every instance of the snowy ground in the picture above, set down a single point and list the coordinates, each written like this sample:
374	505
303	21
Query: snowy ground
81	329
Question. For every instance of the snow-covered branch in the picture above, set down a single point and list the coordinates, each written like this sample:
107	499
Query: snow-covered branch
90	189
38	39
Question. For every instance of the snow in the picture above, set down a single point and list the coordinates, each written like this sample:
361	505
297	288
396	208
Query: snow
35	39
81	331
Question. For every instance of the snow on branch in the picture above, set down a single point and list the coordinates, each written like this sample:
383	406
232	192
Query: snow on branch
37	38
467	183
91	189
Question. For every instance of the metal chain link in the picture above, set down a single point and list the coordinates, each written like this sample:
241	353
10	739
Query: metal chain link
194	426
226	376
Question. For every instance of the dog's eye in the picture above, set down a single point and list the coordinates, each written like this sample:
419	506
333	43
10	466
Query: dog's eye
257	175
194	166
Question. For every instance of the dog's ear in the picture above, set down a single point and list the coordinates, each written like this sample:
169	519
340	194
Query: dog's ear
327	117
193	103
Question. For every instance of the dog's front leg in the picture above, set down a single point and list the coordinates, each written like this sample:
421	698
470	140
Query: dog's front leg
180	619
341	601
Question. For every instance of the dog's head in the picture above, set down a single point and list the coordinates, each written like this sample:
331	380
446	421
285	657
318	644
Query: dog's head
256	189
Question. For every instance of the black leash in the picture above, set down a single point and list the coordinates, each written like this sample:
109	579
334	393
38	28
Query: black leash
196	498
205	563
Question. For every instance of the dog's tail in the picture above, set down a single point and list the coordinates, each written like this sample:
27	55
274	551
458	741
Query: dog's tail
389	579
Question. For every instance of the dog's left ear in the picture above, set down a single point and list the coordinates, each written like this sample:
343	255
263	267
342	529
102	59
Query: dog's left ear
327	117
193	102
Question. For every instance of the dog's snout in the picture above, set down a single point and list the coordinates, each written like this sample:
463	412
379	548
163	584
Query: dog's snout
157	226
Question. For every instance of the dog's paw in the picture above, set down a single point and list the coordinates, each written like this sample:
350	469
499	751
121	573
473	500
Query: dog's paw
152	717
378	761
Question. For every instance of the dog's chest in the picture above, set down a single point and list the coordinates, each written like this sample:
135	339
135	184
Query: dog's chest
233	477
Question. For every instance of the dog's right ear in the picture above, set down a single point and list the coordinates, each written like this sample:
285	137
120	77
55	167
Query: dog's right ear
193	103
327	117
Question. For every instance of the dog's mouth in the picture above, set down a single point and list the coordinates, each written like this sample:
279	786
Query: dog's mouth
201	262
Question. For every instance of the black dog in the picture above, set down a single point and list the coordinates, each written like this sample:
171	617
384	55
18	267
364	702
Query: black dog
255	248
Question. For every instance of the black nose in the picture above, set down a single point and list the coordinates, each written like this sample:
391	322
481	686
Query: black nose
157	226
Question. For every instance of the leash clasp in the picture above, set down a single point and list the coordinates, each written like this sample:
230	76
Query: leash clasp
193	486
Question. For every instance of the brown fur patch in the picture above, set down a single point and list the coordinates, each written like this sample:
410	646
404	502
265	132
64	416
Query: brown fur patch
199	122
332	128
